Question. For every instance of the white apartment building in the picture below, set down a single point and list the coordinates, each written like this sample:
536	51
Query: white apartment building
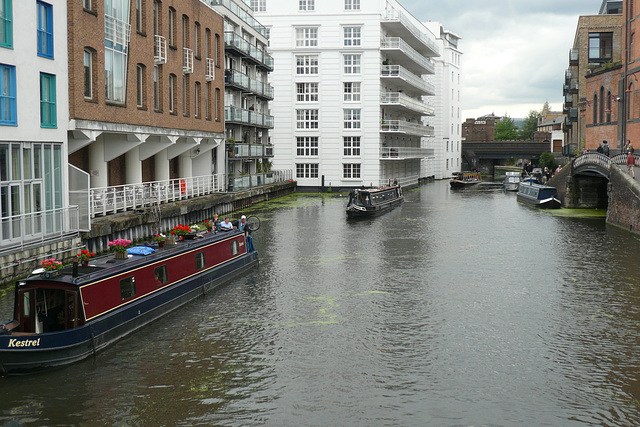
447	122
350	87
34	116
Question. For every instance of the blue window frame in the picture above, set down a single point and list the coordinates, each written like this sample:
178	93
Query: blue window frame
8	108
45	30
6	23
48	101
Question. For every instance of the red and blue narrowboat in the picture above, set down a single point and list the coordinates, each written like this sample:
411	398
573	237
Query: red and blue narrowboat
65	316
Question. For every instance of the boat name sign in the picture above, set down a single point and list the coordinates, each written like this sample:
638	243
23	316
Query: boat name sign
14	343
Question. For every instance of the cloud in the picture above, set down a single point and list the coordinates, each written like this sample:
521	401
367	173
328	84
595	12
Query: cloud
515	52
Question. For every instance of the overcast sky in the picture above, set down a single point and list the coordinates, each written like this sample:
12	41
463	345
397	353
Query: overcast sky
515	52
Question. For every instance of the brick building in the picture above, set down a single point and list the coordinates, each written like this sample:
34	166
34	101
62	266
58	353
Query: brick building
482	129
146	86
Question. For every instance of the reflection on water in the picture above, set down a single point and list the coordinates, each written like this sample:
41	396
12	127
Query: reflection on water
458	308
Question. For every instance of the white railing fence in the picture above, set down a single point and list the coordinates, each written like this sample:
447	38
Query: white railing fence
38	226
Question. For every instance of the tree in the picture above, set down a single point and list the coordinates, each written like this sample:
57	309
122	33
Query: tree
506	130
530	126
548	160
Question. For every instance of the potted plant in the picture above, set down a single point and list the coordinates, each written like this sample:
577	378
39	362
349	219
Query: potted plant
52	267
119	247
84	256
181	231
160	238
207	224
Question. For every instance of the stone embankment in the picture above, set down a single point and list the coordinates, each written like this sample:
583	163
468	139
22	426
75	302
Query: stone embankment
137	226
624	199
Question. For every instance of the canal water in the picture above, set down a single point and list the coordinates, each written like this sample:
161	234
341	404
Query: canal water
456	309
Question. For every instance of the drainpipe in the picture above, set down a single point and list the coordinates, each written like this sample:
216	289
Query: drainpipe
625	75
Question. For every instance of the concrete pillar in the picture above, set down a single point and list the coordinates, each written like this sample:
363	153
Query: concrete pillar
133	166
97	164
161	166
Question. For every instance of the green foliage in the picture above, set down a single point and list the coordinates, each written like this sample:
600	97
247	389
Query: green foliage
530	126
548	160
506	130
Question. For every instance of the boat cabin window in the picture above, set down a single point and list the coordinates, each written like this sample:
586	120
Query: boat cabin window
200	264
234	247
160	275
48	310
127	288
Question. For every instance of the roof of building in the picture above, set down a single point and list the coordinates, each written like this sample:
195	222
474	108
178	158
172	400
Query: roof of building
553	121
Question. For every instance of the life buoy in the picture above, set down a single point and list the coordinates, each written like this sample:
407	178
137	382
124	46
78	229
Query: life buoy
183	186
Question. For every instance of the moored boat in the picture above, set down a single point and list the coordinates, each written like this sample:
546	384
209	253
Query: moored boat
465	179
511	181
538	195
64	316
373	201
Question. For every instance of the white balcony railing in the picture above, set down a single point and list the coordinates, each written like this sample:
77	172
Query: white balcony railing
396	71
408	128
117	31
211	69
255	180
393	15
399	44
397	98
402	153
160	50
19	230
187	62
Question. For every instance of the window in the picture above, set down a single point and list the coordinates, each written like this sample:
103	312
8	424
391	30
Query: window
45	30
115	64
196	100
185	31
185	95
234	247
352	64
259	5
351	170
352	36
352	91
306	119
600	47
307	146
160	275
88	74
47	100
156	17
157	103
307	65
8	107
200	264
306	170
140	16
307	37
196	40
127	288
87	4
172	93
217	105
207	100
307	92
352	118
6	23
172	27
207	43
140	84
351	145
217	52
306	5
351	4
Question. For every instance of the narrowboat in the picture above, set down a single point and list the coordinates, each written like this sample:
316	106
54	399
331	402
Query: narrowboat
373	201
511	181
465	179
63	316
538	195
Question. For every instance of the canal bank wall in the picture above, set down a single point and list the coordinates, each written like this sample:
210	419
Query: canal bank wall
624	200
580	192
137	226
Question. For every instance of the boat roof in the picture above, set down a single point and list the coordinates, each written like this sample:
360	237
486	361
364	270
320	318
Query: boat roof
373	190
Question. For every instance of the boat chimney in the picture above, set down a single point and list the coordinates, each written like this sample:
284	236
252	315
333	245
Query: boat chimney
74	272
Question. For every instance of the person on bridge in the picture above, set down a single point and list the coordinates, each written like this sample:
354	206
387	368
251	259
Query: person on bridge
605	148
631	162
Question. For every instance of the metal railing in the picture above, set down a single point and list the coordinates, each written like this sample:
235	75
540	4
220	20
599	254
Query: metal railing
254	180
211	70
108	200
117	31
592	159
236	78
235	40
249	150
160	50
574	55
241	13
397	71
401	153
401	126
247	117
38	226
406	101
400	44
392	15
187	62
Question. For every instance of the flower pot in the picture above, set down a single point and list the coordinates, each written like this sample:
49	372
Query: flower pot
161	244
209	229
85	264
170	241
121	255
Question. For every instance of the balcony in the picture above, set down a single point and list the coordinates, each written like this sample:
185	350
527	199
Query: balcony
240	13
407	128
245	151
397	99
258	179
568	75
116	31
211	70
241	81
160	50
404	153
574	57
187	61
399	51
235	115
573	114
568	100
235	42
406	80
399	23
